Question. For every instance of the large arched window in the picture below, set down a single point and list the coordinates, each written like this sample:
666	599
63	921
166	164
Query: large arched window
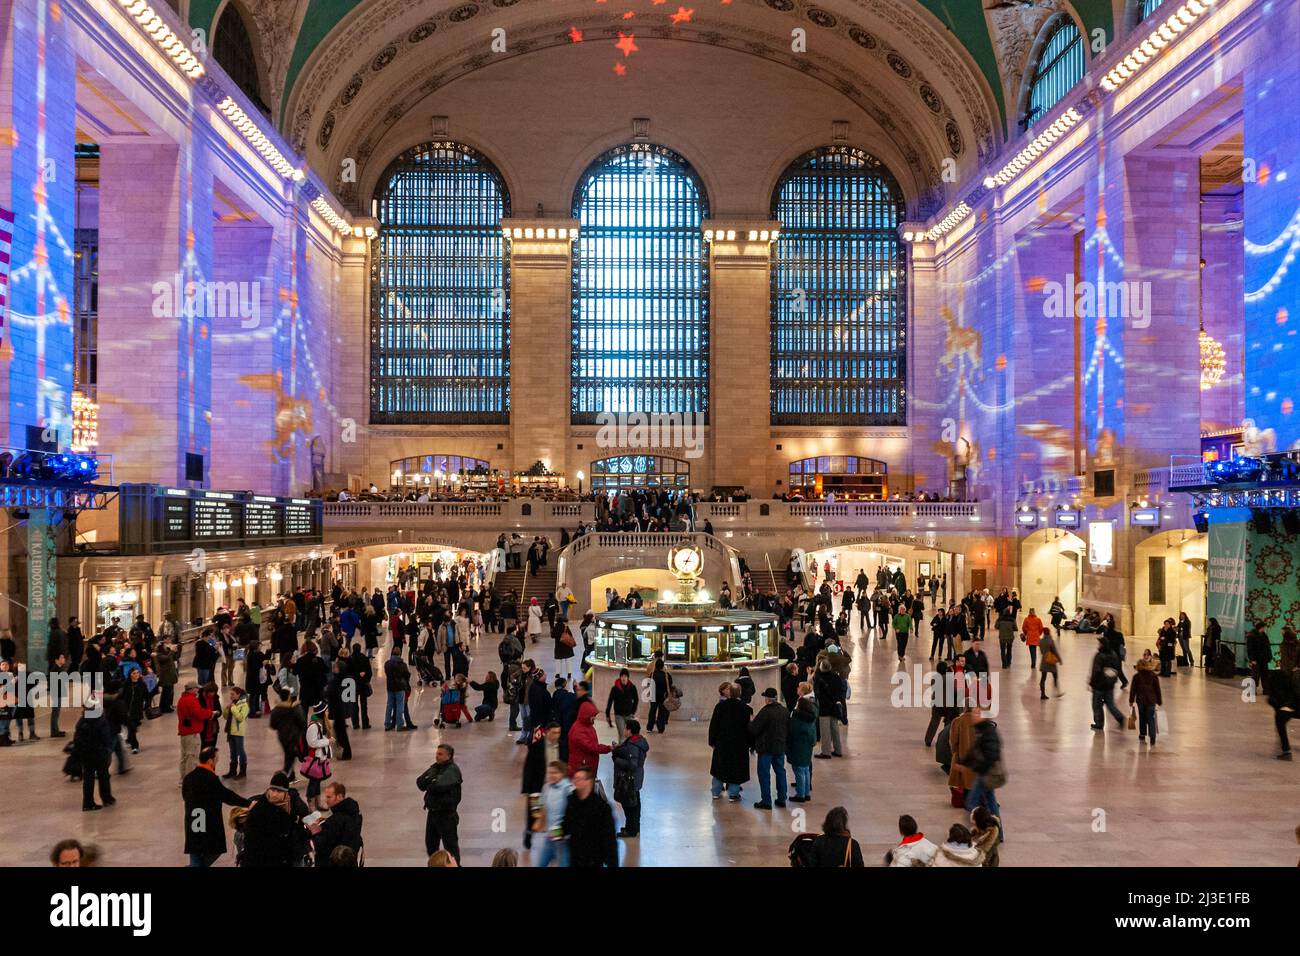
1060	67
839	293
640	287
440	292
1148	7
232	48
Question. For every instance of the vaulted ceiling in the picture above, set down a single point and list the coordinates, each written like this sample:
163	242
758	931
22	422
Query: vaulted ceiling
937	76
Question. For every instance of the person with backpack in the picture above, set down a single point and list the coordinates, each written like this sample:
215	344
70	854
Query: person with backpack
629	775
1101	679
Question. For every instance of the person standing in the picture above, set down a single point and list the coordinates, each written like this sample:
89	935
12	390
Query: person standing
342	828
629	775
623	700
589	825
191	717
1101	678
1259	655
397	675
58	666
584	747
204	795
729	738
235	714
1144	694
92	744
662	688
903	621
829	690
441	785
801	736
1184	628
165	666
769	732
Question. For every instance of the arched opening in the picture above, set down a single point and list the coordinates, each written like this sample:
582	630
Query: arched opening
640	332
232	48
1169	578
639	471
407	564
436	474
440	291
845	476
1051	568
650	583
838	293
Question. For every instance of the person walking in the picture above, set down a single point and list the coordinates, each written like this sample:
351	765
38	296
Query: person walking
589	825
1144	696
1031	632
552	805
1051	661
984	758
1006	628
204	795
829	690
441	785
629	775
769	732
945	708
729	738
903	622
1101	679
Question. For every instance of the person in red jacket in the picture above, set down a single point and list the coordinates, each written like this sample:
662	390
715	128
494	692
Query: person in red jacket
191	716
584	747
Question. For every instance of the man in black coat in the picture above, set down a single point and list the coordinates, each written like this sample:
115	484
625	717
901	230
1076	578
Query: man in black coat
92	744
589	825
729	738
204	794
540	710
341	828
274	834
1259	655
564	708
441	785
768	732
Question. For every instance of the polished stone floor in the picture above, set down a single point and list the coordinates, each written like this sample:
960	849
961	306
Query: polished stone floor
1209	794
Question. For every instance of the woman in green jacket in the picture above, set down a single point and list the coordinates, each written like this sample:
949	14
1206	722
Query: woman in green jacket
800	739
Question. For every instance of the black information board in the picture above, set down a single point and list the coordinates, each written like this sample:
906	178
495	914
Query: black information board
157	519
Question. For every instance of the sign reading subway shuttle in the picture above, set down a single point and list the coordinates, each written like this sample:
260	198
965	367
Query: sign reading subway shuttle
156	519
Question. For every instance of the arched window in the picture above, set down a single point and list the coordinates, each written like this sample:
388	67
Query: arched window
1148	7
640	471
839	293
440	291
1060	67
233	50
640	287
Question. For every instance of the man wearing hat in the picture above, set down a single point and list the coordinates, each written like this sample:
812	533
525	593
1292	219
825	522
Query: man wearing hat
274	834
191	716
768	732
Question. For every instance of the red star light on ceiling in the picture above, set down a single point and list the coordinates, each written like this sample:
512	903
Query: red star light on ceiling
575	35
682	15
626	43
619	69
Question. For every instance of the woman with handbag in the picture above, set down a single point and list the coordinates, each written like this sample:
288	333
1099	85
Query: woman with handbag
564	645
1051	660
316	760
663	701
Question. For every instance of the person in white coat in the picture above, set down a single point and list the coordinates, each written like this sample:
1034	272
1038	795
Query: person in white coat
958	850
534	620
914	849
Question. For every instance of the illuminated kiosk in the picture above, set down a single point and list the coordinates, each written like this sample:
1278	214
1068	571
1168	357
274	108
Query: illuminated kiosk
702	643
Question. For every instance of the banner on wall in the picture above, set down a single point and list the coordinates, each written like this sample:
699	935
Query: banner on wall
1226	580
41	583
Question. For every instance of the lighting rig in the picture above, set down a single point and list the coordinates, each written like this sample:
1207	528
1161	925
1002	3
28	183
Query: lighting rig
1269	486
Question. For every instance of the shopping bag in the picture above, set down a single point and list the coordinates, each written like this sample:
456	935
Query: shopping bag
1132	718
1162	722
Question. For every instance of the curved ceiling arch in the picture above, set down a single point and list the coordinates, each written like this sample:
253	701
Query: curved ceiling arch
387	55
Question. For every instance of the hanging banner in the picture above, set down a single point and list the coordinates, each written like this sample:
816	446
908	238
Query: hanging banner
40	587
1226	580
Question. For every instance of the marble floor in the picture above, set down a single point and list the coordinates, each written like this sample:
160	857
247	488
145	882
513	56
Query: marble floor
1210	794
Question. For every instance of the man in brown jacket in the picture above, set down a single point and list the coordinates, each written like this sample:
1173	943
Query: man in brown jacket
961	734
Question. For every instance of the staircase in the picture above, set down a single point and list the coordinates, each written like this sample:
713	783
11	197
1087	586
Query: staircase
765	580
538	585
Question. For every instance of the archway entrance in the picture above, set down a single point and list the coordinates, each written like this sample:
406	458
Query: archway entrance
1169	577
1051	567
639	471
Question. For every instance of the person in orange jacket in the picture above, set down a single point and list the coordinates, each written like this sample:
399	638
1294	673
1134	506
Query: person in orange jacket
1032	632
584	747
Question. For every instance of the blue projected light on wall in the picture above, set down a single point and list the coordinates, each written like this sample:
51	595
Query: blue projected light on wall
839	293
640	335
440	300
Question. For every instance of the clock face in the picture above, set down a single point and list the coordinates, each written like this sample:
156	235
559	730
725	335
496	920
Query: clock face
686	561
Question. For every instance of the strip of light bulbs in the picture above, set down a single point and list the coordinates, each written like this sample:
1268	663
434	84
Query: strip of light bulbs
1155	42
164	37
322	206
1035	149
946	225
753	235
258	140
528	232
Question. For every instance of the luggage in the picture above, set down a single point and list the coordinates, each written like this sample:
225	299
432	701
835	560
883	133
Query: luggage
1225	665
1182	661
428	671
958	797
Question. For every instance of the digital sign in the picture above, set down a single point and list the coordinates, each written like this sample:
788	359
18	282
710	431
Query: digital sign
154	519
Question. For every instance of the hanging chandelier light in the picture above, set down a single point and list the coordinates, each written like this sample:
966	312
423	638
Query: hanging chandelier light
1213	361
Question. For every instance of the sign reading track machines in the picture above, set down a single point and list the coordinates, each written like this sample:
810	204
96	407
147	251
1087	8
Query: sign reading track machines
155	519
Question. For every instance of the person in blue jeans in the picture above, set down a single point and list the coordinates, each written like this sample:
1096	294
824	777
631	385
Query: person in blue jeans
554	802
983	757
398	677
801	737
768	731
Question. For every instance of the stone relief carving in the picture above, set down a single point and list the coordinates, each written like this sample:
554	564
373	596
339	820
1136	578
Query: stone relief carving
276	23
1014	32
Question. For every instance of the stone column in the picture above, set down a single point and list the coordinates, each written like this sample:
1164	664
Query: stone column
541	290
740	402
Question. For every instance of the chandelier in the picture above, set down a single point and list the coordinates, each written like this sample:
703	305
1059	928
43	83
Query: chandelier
1213	361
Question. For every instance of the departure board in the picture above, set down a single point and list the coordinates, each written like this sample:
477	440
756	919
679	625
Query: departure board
156	519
